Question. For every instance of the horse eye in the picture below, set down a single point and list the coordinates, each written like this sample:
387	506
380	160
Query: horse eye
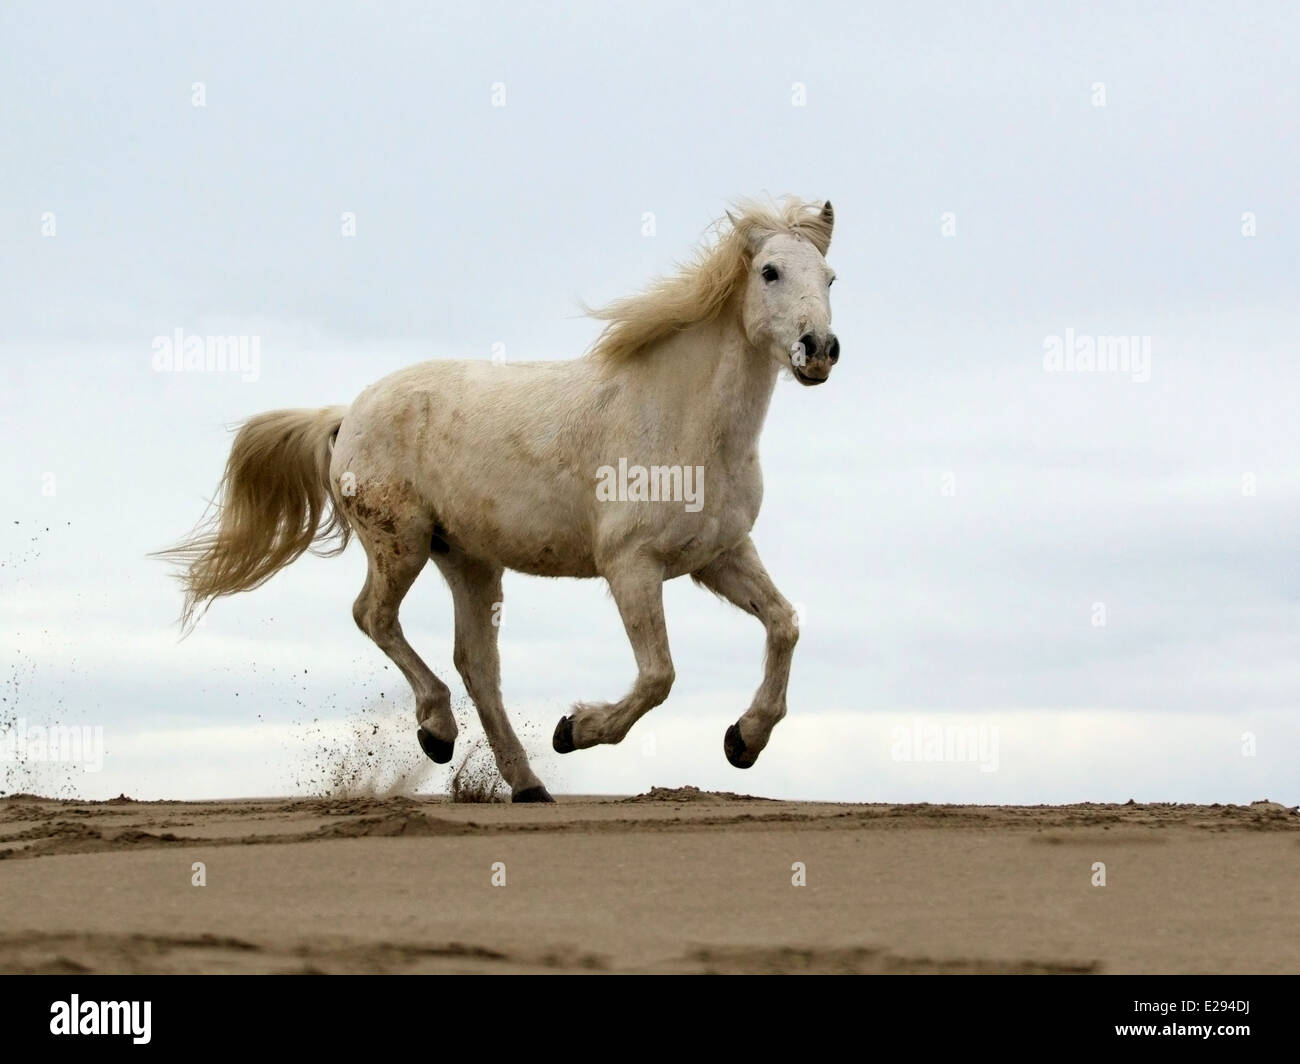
770	273
830	282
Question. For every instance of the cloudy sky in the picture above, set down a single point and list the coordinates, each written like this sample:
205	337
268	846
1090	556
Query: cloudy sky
1096	571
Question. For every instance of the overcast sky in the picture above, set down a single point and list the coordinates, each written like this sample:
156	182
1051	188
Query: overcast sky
948	513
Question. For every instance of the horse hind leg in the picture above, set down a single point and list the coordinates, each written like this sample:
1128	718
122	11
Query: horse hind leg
395	560
476	591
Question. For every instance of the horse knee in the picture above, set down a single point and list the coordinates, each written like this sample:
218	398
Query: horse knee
784	630
656	682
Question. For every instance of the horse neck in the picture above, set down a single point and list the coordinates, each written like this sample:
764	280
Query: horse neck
742	383
713	384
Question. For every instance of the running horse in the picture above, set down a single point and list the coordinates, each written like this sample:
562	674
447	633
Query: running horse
484	467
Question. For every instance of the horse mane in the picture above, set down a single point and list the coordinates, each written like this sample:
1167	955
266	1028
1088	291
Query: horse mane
701	287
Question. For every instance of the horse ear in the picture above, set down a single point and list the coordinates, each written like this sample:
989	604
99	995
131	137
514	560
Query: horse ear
818	229
754	239
752	235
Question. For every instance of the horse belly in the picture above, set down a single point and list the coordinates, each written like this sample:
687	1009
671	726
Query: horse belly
542	551
531	527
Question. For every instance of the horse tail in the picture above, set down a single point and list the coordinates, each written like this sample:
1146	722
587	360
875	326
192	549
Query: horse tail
273	504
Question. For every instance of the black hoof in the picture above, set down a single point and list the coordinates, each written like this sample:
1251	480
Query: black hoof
734	747
438	751
562	740
533	794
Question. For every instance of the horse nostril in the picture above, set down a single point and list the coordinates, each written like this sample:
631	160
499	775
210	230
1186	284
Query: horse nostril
809	344
833	352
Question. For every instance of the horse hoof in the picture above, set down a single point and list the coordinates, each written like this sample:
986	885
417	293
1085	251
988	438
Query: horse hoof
562	740
534	794
734	747
438	751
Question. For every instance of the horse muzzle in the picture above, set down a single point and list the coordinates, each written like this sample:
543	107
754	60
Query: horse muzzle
813	359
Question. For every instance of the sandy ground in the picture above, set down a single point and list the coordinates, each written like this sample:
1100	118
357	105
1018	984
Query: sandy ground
676	881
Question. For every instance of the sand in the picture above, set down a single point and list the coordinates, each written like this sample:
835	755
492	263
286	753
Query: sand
673	881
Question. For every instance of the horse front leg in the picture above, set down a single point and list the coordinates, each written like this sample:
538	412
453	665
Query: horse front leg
739	577
637	586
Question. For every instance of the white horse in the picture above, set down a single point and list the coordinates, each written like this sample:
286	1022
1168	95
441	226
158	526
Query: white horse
637	463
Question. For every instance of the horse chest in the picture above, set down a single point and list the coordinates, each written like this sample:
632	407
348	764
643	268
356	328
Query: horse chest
690	541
